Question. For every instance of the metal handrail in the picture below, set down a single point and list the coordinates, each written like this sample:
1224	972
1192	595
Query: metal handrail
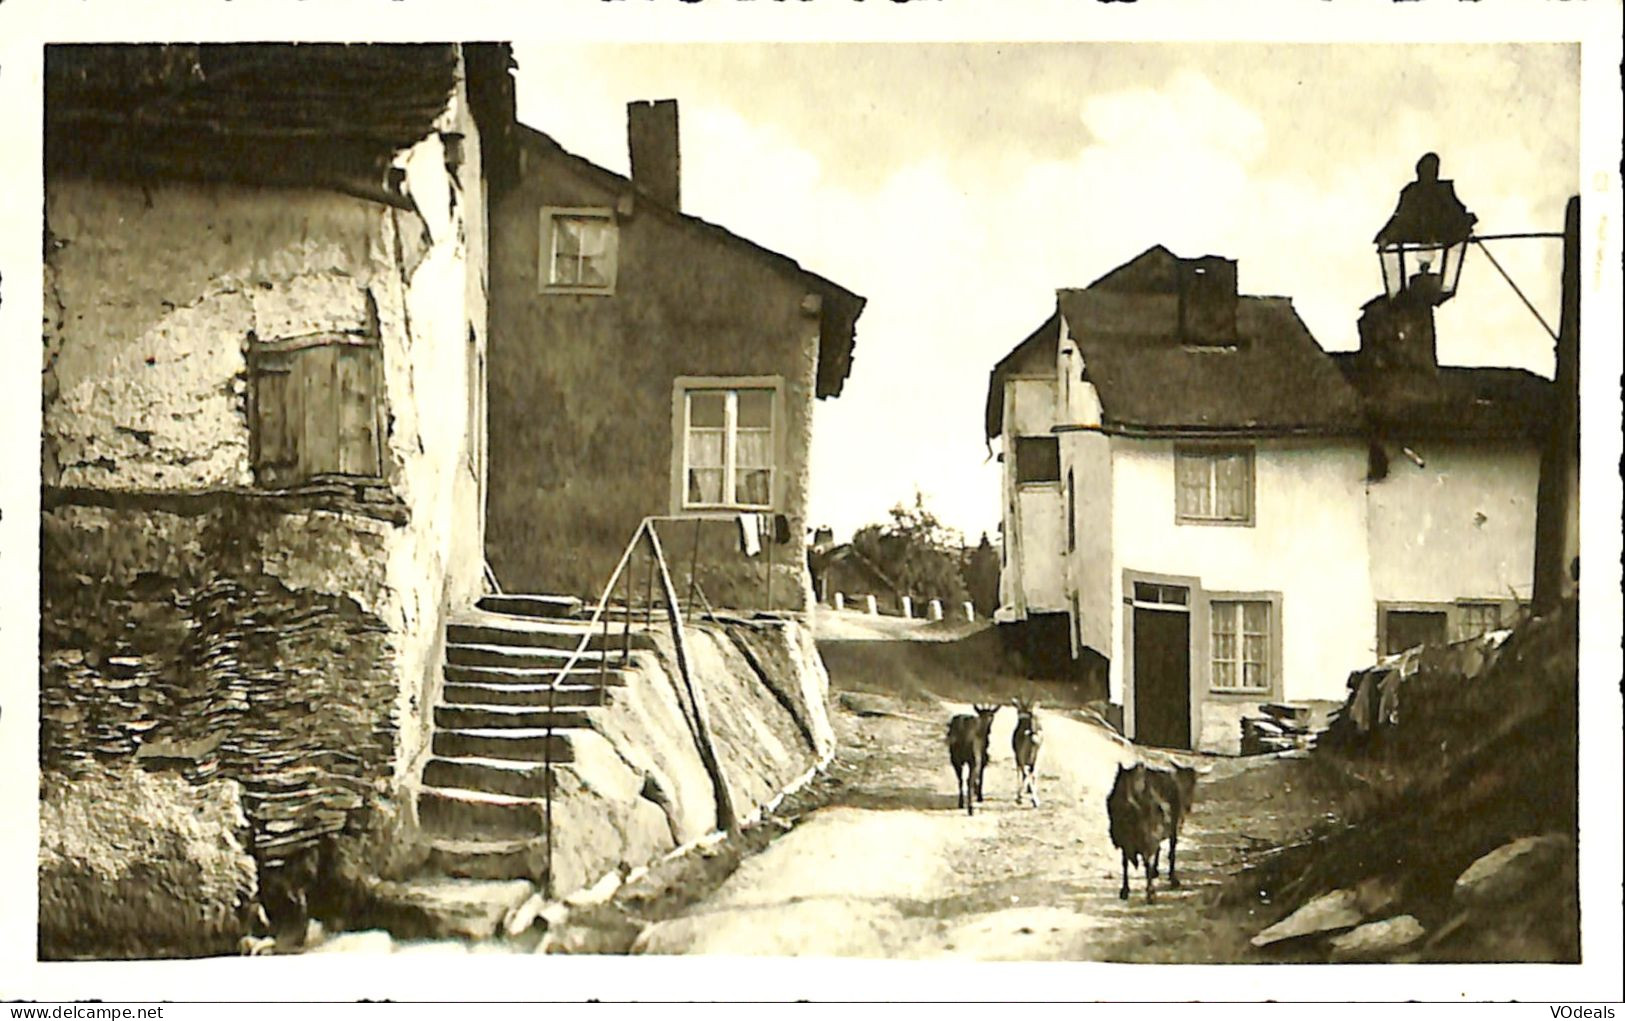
646	527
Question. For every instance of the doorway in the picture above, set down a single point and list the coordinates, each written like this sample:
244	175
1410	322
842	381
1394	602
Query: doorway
1162	665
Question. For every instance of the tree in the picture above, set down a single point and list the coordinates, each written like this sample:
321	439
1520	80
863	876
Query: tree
917	551
980	569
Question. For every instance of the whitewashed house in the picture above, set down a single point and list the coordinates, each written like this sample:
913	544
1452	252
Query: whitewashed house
1228	515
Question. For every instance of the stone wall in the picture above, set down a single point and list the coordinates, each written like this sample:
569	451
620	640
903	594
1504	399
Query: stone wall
638	787
169	641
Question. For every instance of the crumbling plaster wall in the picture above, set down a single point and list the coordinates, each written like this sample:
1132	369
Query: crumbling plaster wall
190	622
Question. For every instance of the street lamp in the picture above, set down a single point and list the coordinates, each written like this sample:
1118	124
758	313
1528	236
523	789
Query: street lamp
1421	248
1423	244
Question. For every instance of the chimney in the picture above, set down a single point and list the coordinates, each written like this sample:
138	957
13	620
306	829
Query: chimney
1397	333
651	137
1207	302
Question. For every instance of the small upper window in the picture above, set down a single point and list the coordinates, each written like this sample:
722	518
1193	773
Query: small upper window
579	250
1213	486
1038	459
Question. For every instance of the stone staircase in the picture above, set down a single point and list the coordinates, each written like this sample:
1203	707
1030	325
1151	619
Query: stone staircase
481	803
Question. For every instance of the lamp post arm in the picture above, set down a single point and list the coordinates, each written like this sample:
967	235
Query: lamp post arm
1479	239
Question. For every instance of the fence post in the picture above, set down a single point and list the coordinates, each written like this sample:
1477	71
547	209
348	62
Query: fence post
840	601
935	609
970	611
908	607
870	607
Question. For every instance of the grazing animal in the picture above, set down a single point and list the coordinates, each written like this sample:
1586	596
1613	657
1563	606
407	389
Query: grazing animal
967	753
1025	742
1145	807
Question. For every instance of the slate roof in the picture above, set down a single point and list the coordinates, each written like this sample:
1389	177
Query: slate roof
1035	354
1276	379
1451	401
841	308
318	114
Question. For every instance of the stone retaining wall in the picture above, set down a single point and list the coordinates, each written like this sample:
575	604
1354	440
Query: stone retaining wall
642	790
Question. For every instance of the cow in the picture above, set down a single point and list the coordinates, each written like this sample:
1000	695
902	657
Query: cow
967	753
1025	741
1145	807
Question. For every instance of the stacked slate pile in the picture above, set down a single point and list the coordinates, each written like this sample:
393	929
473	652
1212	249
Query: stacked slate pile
289	693
1280	727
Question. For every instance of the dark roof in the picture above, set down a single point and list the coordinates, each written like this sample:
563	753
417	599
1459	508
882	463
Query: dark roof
841	308
1275	379
1452	401
1037	352
257	113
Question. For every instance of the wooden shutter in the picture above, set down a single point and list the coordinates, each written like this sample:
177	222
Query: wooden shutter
316	413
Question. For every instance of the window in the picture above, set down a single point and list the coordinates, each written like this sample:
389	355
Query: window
1474	619
1038	459
579	248
728	447
1213	486
1241	644
1163	595
1406	629
314	410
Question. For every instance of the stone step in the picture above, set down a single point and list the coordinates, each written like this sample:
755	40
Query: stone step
489	776
460	812
525	657
516	632
533	695
442	908
531	605
523	745
582	676
478	717
519	858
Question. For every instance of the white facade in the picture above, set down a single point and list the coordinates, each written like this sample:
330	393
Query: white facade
1327	547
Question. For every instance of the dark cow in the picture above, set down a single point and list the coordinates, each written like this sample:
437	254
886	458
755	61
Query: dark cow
1145	807
967	753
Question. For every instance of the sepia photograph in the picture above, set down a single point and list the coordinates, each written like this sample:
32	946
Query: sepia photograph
612	497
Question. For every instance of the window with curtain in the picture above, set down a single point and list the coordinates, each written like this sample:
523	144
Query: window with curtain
579	250
1241	640
728	448
1213	485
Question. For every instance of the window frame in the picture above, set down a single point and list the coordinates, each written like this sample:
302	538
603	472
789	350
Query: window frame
1209	452
1047	439
1453	610
551	215
685	386
1274	643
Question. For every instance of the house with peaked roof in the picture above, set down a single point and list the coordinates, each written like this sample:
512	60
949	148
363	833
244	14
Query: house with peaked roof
647	362
1228	515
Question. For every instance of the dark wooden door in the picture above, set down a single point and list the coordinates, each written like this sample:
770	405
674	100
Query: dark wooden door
1162	677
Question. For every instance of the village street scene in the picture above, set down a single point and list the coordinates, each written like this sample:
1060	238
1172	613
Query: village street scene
1094	502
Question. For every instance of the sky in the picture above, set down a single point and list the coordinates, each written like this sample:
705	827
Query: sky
957	186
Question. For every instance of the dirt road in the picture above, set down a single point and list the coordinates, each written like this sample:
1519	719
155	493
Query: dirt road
890	868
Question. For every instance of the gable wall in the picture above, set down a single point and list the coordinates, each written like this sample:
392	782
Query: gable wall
581	394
